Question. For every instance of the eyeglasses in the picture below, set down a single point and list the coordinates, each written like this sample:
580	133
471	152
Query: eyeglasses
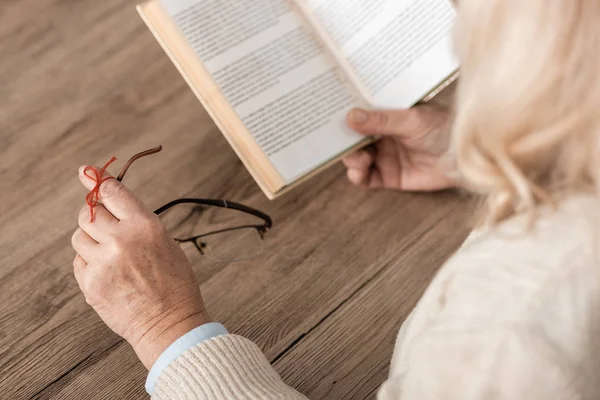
234	243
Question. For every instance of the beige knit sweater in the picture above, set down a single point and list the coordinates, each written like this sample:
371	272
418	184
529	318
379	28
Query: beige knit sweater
510	316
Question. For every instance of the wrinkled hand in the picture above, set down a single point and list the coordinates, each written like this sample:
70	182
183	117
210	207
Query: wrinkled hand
134	274
408	154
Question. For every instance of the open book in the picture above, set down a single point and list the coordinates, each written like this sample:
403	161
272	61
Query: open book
279	76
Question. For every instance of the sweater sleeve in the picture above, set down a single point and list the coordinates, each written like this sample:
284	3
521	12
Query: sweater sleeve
226	367
492	364
180	346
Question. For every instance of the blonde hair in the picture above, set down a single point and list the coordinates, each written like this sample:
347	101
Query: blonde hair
527	128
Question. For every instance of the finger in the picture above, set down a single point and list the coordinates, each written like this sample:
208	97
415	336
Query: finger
87	176
79	263
79	266
384	122
103	224
358	177
84	245
361	159
115	196
388	168
375	180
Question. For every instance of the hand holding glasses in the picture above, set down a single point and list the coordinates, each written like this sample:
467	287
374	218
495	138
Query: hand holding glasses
234	243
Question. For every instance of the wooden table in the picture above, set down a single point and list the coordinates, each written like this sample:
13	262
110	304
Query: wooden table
84	80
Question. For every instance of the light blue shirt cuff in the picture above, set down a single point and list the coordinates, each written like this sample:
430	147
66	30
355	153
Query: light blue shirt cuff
180	346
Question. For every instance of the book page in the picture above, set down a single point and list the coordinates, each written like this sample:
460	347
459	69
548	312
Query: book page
281	81
397	50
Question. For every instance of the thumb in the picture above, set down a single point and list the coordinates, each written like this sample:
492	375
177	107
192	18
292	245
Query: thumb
382	122
115	196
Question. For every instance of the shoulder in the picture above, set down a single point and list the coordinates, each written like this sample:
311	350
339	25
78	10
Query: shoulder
513	305
470	364
515	271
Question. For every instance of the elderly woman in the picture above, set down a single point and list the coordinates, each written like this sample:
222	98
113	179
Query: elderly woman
514	313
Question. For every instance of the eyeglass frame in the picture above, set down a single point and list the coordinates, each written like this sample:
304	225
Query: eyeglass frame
260	228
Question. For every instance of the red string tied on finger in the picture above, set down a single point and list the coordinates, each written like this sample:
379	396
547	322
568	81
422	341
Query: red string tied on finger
93	197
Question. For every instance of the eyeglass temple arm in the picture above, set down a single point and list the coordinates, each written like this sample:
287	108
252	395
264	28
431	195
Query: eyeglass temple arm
193	238
208	202
219	203
134	158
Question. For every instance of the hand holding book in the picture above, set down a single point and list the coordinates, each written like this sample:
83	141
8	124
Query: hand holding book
278	76
408	153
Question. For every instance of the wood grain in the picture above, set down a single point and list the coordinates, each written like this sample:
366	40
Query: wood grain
83	80
348	354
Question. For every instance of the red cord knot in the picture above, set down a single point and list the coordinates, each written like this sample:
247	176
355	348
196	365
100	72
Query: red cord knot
93	197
